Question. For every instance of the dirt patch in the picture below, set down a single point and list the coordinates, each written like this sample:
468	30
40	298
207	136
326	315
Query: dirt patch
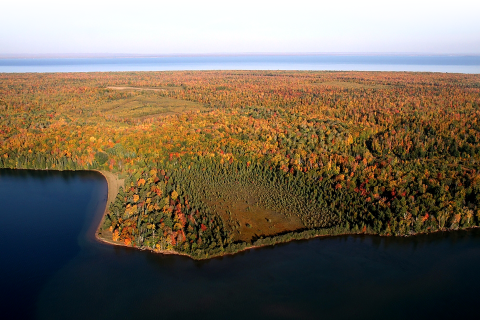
248	220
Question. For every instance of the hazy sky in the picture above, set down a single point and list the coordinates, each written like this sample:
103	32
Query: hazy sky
205	26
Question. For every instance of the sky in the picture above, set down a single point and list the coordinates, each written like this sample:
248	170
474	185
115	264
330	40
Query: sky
205	26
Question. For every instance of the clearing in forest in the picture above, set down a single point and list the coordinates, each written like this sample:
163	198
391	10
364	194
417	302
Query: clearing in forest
250	205
246	217
147	105
167	88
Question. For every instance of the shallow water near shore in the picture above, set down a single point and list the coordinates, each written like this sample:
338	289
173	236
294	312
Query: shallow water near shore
53	268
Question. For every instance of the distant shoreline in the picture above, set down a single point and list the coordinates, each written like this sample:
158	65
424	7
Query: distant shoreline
465	64
241	54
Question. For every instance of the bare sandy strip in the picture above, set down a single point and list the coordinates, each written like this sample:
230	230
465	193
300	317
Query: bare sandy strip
113	185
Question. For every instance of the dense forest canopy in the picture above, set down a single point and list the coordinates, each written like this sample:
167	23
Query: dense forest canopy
218	161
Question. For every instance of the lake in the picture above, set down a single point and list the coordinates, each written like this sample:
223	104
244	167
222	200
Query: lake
432	63
52	268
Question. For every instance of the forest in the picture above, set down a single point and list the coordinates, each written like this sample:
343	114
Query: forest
215	162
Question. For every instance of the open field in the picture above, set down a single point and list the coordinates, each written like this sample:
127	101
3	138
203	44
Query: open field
171	88
247	218
148	105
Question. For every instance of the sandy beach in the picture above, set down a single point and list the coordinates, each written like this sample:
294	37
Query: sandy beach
113	185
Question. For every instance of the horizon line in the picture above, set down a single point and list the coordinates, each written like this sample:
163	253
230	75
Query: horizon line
216	54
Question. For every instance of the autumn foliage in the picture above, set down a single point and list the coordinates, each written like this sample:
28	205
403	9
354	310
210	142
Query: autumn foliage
344	152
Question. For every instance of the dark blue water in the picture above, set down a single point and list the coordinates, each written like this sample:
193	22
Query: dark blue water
45	216
51	268
457	64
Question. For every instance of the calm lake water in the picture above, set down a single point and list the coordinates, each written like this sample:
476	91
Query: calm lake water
52	268
456	64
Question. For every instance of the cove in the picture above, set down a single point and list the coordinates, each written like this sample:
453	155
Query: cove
52	267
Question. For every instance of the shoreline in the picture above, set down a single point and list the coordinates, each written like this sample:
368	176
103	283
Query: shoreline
114	184
121	244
